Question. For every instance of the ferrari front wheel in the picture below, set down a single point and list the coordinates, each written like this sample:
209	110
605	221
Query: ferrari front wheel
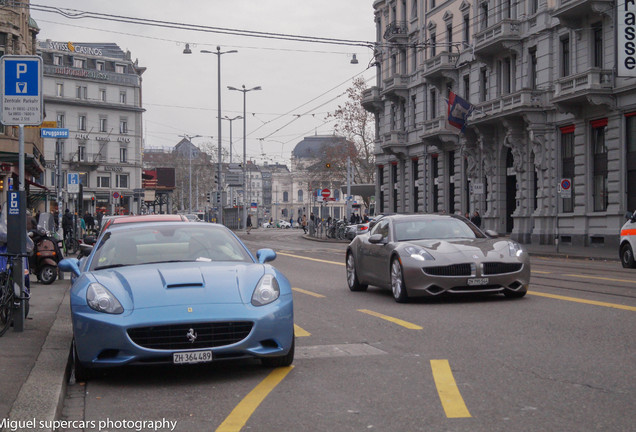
397	282
281	361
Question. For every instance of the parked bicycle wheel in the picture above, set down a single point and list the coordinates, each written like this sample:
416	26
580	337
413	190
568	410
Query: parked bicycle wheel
6	302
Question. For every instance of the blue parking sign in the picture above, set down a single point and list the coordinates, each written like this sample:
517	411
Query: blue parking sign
22	102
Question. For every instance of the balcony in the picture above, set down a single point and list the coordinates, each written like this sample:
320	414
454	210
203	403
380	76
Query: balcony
592	86
497	38
397	31
438	133
572	12
510	105
396	87
442	66
371	99
394	143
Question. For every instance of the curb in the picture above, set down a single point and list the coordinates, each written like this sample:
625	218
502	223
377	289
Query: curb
42	395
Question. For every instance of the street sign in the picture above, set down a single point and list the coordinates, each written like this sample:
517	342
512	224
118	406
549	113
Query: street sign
116	195
72	182
565	188
21	85
326	193
478	188
14	203
53	133
234	178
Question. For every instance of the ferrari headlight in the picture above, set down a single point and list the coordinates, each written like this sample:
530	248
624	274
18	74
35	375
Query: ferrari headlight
419	253
266	291
102	300
515	249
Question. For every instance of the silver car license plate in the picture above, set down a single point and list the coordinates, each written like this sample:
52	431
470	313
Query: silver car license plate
477	281
190	357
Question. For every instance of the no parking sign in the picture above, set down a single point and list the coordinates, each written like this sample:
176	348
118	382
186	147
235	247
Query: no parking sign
565	188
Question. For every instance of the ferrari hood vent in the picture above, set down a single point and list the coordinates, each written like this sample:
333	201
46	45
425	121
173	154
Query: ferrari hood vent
176	278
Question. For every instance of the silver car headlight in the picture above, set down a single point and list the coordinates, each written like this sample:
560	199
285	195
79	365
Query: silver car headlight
419	253
515	249
266	291
100	299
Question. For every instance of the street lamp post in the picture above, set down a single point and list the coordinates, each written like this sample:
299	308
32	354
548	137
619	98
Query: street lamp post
219	164
244	90
231	120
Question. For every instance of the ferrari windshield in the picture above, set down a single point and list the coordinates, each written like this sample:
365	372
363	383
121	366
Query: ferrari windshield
434	228
163	242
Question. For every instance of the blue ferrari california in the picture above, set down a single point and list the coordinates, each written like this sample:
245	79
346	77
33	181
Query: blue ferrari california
177	293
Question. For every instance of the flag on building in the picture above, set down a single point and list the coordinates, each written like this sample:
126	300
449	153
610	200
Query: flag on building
458	111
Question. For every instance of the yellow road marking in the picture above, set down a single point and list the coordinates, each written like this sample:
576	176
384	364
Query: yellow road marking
449	395
601	278
397	321
242	412
578	300
300	332
310	259
539	271
308	292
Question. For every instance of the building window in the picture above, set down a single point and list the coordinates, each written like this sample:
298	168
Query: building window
120	68
567	164
59	90
82	92
467	29
100	66
467	87
285	196
416	189
123	154
597	55
83	178
432	4
433	40
300	195
414	8
122	97
532	73
81	123
102	124
103	181
414	60
565	56
484	16
81	152
123	127
60	120
434	182
534	6
483	91
599	155
414	111
57	60
102	95
433	102
122	181
79	63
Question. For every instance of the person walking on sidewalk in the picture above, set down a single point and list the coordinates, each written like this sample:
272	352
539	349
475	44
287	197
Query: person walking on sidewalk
304	223
249	223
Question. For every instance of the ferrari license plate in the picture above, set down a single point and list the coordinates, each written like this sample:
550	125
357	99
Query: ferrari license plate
477	281
190	357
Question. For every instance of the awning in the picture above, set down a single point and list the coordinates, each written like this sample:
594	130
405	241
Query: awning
37	185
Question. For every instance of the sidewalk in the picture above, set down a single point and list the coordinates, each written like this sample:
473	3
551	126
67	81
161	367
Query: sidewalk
33	362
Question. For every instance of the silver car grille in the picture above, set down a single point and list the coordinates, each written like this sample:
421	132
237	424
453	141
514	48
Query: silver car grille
493	268
450	270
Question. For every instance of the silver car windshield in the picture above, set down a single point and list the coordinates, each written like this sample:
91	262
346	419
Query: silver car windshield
426	229
167	243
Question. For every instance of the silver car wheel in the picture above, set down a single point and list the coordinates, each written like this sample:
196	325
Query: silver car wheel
397	282
351	270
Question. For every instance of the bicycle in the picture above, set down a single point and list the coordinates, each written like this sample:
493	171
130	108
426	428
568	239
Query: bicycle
71	244
10	293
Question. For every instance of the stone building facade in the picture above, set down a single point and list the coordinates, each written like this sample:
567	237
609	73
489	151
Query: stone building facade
94	90
548	107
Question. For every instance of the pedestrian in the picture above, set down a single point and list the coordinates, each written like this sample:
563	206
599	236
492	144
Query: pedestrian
312	218
100	216
67	223
304	223
476	219
467	215
248	223
291	221
82	227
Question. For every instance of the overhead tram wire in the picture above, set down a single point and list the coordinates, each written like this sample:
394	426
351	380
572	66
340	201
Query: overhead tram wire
79	14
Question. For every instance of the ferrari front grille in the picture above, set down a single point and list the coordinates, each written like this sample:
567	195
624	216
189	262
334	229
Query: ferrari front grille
493	268
190	336
450	270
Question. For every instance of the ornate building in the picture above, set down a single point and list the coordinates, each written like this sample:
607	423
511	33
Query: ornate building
548	107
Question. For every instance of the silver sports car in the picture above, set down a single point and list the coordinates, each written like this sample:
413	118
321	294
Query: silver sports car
429	254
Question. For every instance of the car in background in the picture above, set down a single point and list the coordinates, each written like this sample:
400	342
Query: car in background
116	220
193	217
628	241
177	293
427	255
280	224
362	228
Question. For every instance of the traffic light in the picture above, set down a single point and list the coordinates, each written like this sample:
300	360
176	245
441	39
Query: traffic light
207	196
1	184
234	202
218	197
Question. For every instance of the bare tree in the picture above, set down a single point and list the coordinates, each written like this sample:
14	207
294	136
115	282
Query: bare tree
356	125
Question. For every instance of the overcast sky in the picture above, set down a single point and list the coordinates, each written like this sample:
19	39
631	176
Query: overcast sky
180	91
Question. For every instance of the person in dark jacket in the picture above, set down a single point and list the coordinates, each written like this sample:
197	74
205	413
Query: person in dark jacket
476	219
67	222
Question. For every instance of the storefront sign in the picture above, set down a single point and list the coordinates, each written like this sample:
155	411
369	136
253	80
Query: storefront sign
81	73
113	168
73	48
626	38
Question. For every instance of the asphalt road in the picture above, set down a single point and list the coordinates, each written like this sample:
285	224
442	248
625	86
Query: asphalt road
560	359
